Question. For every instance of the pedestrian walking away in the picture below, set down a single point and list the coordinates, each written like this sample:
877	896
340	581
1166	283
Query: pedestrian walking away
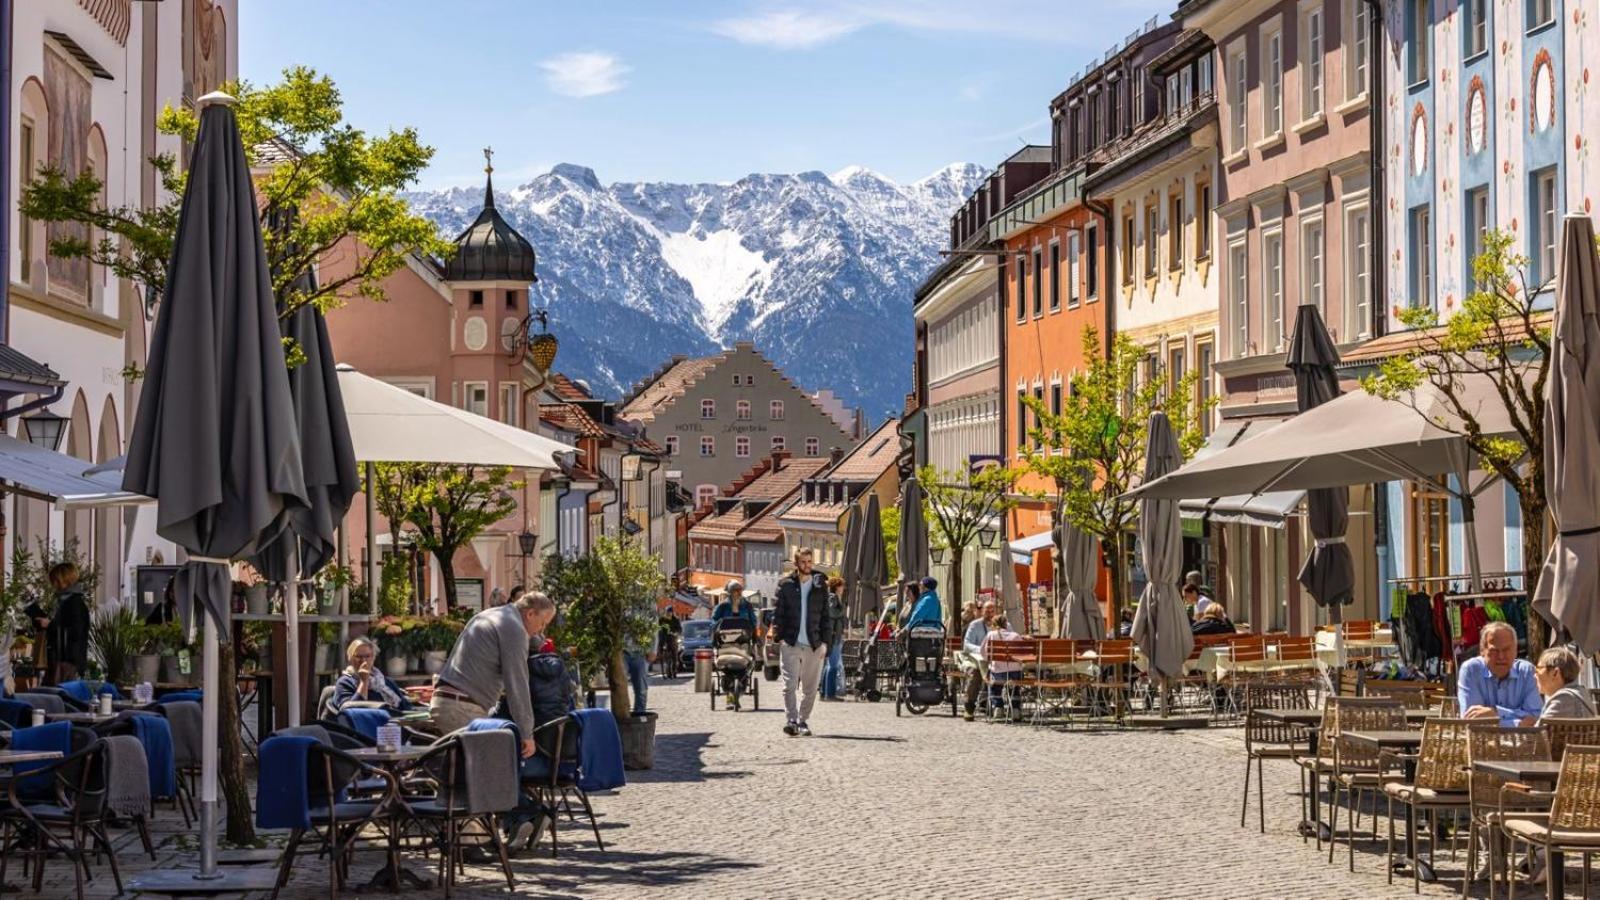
803	640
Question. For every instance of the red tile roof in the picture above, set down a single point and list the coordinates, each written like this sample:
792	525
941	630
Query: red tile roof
566	389
571	418
667	386
771	486
870	458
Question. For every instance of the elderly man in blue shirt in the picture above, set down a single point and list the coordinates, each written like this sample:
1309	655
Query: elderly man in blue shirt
1496	684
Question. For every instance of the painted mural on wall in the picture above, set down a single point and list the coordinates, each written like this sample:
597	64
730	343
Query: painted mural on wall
66	90
205	42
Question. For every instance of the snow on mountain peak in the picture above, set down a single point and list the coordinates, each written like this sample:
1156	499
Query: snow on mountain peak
577	174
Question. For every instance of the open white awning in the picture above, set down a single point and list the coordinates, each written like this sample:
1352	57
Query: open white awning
1023	549
66	481
1269	510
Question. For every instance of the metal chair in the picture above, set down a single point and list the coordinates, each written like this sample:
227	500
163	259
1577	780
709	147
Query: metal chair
1266	739
466	765
1441	785
1565	732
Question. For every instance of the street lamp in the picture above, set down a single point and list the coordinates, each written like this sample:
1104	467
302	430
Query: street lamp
529	542
988	536
45	429
938	555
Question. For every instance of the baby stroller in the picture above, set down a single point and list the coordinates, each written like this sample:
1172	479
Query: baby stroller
922	682
733	647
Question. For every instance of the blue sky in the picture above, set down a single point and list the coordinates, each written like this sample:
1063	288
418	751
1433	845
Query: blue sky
671	90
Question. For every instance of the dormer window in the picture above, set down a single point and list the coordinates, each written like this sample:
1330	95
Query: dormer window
475	299
511	299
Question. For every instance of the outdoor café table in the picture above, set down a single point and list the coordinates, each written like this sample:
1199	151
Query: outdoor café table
1534	771
395	760
80	718
1408	742
14	757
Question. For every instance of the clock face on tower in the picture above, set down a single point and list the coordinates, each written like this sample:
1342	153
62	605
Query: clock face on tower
1419	142
1477	119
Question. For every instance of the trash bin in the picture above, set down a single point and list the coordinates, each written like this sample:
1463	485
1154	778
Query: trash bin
702	671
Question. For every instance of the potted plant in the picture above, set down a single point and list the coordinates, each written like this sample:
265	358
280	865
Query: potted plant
327	657
330	582
439	636
607	599
391	635
116	637
168	642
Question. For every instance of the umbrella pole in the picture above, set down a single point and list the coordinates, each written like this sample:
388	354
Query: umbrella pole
372	541
208	749
291	638
344	589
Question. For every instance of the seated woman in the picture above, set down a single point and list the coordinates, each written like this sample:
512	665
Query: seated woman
1214	621
361	682
1555	674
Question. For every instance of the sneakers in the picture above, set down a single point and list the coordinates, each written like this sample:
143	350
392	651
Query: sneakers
967	716
522	835
805	730
731	700
791	728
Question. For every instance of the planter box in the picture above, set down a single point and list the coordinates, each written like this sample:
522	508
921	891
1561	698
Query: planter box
638	741
395	666
146	668
433	661
169	670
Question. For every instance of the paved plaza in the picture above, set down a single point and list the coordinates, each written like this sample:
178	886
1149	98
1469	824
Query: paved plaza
875	806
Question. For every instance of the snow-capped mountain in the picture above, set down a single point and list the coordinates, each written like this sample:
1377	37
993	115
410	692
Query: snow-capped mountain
818	270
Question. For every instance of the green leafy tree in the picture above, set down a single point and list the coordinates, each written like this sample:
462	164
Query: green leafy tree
959	506
1497	334
889	519
329	186
447	506
607	598
1102	433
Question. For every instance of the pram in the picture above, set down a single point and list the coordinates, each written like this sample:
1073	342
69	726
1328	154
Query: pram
880	668
922	679
734	655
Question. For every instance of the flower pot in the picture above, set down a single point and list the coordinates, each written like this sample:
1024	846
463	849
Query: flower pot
416	662
327	603
256	598
433	661
395	666
638	741
169	670
146	668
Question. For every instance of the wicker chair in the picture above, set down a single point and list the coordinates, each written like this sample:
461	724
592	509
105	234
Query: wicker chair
1356	769
1450	708
1316	764
1488	741
1266	739
1573	823
1441	784
1566	732
1410	694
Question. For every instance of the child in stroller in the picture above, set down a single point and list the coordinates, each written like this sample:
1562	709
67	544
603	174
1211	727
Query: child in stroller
733	645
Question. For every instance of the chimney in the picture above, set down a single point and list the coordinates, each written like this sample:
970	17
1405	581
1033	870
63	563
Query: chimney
834	455
779	457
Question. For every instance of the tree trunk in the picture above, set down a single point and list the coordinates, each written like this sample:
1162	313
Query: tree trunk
1533	554
447	572
954	593
1057	563
230	756
621	692
1113	563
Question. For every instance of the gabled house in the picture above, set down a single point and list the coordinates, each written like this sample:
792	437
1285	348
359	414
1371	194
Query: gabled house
814	517
738	535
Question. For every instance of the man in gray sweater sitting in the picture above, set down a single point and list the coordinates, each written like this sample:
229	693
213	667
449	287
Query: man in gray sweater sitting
490	658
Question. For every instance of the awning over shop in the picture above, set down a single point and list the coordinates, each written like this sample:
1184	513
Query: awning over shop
1023	549
1268	510
58	478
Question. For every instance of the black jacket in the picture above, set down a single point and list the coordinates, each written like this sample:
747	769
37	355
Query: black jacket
67	634
819	628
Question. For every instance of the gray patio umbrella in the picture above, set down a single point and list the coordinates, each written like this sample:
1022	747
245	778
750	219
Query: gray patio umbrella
847	562
1570	581
1160	626
1082	619
911	551
332	480
872	562
1329	572
215	440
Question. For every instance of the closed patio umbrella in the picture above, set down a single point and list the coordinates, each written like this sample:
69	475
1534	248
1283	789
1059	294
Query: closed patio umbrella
911	550
872	563
1082	619
847	560
215	440
1569	585
1160	626
1329	572
1012	602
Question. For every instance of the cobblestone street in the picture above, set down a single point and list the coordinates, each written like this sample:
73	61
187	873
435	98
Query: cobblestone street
874	806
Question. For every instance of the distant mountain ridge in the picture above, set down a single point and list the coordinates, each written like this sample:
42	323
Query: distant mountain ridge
818	270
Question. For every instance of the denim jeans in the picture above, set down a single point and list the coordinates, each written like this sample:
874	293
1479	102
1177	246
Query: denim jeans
638	678
833	672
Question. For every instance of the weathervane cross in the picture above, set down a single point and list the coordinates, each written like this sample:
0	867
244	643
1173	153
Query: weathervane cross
488	160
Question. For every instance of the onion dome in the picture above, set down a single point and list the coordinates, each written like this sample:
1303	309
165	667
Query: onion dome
490	249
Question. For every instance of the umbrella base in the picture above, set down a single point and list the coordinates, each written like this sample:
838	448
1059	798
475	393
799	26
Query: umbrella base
1167	723
187	882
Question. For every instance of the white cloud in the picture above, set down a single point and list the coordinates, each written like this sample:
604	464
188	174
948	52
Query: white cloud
584	74
788	29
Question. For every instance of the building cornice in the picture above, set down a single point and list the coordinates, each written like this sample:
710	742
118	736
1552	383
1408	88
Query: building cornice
23	297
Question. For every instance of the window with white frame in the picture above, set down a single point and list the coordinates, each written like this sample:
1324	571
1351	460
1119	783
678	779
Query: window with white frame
778	442
477	397
1271	81
1546	224
1421	228
708	409
1151	224
1477	229
1357	271
775	410
1038	395
1272	290
1091	267
510	393
1128	240
1137	113
741	409
704	494
1038	282
1203	85
1311	50
1022	420
1174	101
1476	27
1239	297
1204	358
1540	12
1239	102
1073	250
741	447
1202	220
813	446
1175	230
1177	367
1021	287
672	445
1055	276
708	445
1313	273
1419	27
1357	58
738	379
